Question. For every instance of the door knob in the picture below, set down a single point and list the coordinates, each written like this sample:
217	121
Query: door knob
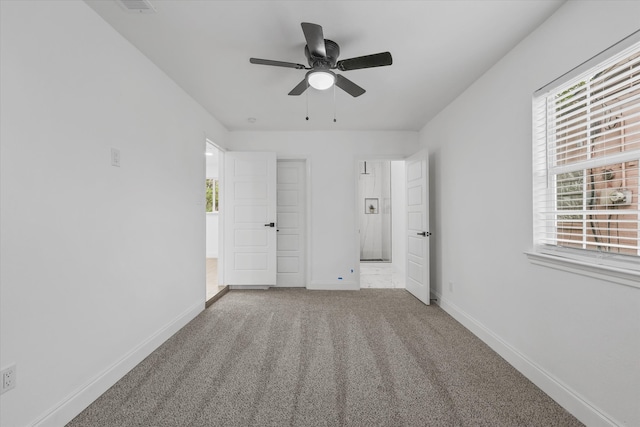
424	233
271	224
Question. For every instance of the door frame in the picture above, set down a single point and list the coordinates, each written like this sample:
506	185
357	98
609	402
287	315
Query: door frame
358	204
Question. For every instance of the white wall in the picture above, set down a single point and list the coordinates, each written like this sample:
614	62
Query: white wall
332	158
576	337
99	264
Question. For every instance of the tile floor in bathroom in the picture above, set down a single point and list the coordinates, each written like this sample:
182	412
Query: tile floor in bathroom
379	275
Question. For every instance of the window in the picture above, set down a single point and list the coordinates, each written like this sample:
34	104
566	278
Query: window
586	147
211	194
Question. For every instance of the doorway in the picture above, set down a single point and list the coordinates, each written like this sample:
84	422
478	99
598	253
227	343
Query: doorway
213	157
381	221
375	214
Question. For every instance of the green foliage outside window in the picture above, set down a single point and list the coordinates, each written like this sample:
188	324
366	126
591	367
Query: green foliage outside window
570	193
211	194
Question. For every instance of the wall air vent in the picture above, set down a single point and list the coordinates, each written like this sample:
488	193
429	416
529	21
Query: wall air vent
137	6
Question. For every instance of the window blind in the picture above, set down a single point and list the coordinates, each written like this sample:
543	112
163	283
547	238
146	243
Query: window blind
586	156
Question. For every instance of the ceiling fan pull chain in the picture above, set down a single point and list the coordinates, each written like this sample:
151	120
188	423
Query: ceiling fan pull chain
307	95
334	103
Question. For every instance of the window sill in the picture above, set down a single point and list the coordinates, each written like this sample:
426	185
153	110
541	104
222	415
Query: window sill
212	213
611	274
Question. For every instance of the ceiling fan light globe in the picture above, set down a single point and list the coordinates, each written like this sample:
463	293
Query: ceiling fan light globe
321	80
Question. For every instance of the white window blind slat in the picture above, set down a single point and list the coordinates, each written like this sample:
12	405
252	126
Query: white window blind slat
618	111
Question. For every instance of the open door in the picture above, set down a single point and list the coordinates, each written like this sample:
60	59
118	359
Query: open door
250	218
418	226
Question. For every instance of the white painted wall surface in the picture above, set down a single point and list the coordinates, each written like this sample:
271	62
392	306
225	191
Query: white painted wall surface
99	264
332	158
576	337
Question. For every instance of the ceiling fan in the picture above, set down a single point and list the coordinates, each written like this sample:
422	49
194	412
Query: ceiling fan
322	55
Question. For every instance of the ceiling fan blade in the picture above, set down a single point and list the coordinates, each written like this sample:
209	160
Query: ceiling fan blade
315	39
348	86
276	63
300	88
368	61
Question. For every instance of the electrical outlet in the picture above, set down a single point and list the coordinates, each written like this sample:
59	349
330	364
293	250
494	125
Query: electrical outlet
9	378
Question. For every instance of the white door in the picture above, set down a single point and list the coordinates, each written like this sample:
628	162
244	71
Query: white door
418	226
291	223
249	218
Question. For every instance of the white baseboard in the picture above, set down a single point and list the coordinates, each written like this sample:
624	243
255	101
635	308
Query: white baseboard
342	285
63	412
566	397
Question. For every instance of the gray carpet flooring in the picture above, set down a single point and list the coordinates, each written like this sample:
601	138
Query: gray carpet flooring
291	357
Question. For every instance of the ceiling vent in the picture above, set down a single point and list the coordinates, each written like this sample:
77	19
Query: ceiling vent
137	6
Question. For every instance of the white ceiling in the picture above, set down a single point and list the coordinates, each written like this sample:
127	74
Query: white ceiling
439	48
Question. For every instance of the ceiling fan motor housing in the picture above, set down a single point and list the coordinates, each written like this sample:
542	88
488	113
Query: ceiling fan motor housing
333	51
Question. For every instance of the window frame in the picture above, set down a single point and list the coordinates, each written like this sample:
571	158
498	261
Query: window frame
618	268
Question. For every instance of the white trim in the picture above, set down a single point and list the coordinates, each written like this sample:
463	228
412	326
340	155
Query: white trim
564	395
221	215
341	285
356	220
72	405
590	269
215	144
